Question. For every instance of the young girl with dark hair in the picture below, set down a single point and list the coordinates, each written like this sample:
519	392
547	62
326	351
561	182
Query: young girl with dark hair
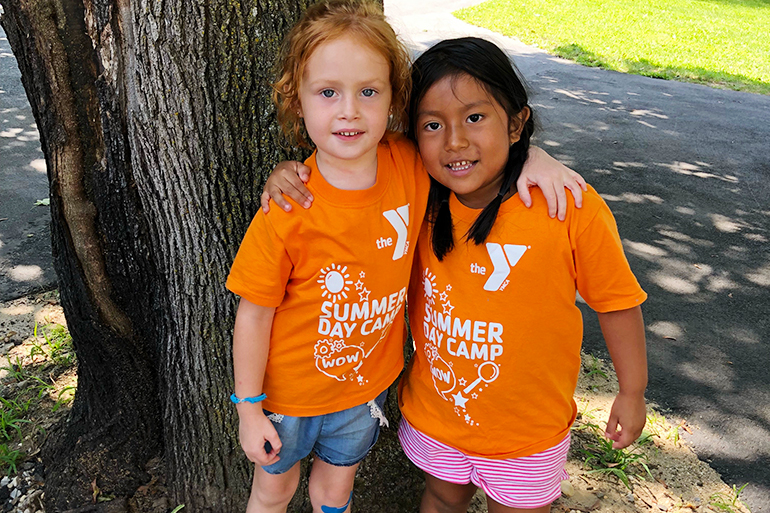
487	397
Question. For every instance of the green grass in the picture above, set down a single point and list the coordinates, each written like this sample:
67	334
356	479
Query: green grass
35	389
601	458
728	503
10	458
722	43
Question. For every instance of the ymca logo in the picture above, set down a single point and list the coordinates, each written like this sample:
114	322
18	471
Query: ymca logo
399	220
503	258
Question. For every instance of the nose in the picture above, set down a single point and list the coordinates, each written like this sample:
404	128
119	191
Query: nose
455	138
349	107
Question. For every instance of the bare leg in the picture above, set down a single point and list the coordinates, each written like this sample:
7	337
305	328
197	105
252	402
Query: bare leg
495	507
329	485
272	493
445	497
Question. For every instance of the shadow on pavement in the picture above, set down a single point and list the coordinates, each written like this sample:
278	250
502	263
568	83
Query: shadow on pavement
25	239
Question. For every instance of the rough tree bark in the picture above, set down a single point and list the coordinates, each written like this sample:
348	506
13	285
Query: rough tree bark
157	128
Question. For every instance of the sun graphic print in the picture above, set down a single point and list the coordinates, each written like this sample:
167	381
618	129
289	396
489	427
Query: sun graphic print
429	285
335	283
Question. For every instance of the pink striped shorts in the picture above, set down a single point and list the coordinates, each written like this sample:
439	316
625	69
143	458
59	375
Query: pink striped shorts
528	482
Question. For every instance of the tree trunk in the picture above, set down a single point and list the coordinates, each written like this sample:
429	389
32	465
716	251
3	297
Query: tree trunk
157	127
158	130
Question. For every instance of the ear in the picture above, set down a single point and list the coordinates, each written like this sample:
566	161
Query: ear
297	107
517	125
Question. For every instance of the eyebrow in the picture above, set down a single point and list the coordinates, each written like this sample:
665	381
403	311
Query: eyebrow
468	106
336	82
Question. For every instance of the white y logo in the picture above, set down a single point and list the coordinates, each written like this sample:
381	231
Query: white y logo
502	269
399	219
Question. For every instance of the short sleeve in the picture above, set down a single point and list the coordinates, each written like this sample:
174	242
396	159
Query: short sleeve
604	277
262	267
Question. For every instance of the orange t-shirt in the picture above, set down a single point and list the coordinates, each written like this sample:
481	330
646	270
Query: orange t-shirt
337	275
496	328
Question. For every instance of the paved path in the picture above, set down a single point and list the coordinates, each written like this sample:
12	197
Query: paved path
685	169
25	240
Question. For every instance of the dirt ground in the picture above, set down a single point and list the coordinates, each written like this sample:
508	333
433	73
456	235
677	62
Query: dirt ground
677	481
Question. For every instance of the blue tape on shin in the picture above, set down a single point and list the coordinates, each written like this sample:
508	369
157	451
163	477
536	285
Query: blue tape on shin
341	509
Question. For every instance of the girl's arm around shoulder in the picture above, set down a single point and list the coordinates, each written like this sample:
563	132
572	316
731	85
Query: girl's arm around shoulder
288	178
623	332
541	170
251	343
552	177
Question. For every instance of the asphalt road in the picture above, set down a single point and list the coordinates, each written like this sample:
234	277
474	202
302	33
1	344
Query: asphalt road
685	170
25	236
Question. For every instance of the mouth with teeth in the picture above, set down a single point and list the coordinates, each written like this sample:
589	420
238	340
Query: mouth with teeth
348	133
460	166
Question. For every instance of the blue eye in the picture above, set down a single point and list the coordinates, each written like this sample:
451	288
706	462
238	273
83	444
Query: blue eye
327	93
432	126
368	92
475	118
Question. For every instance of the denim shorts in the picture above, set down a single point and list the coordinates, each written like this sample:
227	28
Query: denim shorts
341	438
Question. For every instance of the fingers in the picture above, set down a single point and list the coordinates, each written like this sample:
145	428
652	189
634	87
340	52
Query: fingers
622	436
267	453
577	186
579	179
264	201
304	172
275	444
264	450
551	199
287	180
612	429
624	440
561	203
274	190
296	190
523	189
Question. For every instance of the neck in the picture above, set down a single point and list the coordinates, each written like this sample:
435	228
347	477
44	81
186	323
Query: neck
348	175
483	196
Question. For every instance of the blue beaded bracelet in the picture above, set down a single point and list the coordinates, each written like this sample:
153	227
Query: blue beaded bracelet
252	400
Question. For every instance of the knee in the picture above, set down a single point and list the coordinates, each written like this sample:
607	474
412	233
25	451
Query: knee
447	500
331	495
273	492
273	496
446	504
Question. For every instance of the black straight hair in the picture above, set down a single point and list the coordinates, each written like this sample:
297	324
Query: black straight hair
491	68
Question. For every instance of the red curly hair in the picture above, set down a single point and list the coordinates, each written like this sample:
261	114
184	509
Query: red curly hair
326	21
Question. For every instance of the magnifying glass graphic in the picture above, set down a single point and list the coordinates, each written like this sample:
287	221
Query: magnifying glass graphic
495	372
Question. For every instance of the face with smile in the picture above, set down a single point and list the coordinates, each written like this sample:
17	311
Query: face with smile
464	135
345	97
